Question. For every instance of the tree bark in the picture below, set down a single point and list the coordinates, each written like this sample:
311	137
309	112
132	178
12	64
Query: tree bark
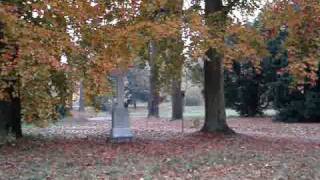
5	118
10	119
154	95
81	97
177	100
215	115
16	117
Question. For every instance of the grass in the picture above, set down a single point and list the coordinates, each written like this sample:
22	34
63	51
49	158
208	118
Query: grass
261	150
189	111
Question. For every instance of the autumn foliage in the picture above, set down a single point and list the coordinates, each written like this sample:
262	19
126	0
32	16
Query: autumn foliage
97	37
300	18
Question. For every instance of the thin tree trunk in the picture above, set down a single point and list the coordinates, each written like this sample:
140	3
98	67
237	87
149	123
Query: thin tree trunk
177	100
81	97
215	115
16	117
5	117
154	96
69	102
177	57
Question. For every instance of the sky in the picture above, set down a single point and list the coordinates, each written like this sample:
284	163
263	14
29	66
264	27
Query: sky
236	13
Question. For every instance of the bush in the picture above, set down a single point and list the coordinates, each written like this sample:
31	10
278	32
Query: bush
301	107
194	97
244	89
103	103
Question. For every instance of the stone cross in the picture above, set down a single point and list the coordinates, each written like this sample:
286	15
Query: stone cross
120	130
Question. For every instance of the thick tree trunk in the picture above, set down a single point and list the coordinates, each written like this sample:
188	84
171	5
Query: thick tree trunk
177	100
10	119
154	96
16	117
215	115
5	117
81	98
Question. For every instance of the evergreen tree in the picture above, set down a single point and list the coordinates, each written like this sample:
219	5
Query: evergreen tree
244	89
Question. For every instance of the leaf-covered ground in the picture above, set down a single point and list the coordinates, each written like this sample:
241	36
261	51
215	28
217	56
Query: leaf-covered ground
261	149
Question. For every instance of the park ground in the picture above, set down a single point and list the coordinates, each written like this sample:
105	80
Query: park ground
81	149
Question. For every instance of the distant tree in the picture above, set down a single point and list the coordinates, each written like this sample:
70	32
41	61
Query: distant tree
293	104
244	89
138	83
81	97
294	57
154	95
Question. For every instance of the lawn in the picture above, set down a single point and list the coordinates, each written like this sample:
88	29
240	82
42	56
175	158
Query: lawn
70	149
165	109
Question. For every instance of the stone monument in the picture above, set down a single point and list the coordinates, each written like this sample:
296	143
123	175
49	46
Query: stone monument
120	130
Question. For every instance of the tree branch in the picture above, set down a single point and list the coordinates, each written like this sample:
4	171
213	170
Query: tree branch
229	7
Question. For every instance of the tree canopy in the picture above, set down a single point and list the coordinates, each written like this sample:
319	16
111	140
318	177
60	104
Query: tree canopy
95	37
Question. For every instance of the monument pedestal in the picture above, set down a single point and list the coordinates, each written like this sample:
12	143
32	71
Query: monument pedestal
120	131
120	124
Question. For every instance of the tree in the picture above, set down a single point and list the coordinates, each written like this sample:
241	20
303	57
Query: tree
35	35
216	18
295	58
172	61
160	12
81	97
29	65
177	99
138	83
110	35
176	60
154	88
244	89
298	18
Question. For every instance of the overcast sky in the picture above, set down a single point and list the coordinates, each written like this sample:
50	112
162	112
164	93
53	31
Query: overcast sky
236	13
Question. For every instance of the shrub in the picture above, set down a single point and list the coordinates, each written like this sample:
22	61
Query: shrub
194	97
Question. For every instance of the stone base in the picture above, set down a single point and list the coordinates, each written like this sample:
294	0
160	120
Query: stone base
121	140
120	124
121	133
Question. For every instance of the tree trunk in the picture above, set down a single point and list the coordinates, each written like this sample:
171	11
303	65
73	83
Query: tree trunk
177	100
5	117
81	97
215	115
154	95
16	117
10	119
69	102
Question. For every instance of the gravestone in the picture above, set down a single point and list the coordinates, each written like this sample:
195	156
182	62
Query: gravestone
120	130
